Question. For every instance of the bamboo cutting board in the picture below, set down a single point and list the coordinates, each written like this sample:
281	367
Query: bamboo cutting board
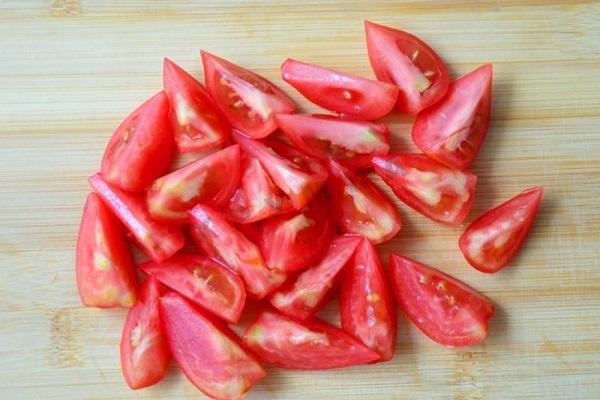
71	70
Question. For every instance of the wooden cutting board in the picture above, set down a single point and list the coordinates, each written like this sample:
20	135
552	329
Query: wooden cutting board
70	71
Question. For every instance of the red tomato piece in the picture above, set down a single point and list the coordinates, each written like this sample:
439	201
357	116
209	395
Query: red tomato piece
339	91
208	353
210	180
492	240
406	61
351	143
441	193
366	307
257	197
443	308
104	266
218	238
296	174
204	280
247	99
452	131
197	123
295	241
305	296
142	147
159	241
361	207
145	353
314	344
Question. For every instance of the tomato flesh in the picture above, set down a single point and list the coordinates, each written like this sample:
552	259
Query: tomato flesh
443	308
452	131
492	240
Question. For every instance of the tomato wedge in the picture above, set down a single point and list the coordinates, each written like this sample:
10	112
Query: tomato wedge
197	123
492	240
350	142
438	192
144	350
339	91
406	61
207	352
211	180
247	99
453	130
366	307
292	242
361	207
296	174
157	240
305	295
141	149
204	280
217	237
286	343
104	265
257	197
443	308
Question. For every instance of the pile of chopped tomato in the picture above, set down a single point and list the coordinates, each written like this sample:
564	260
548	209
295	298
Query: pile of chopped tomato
282	212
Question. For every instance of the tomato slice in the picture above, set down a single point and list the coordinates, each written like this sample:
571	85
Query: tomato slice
204	280
157	240
295	241
492	240
296	174
361	207
210	180
366	307
145	353
104	266
440	193
443	308
217	237
314	344
247	99
339	91
305	295
453	130
207	352
142	147
257	197
350	142
406	61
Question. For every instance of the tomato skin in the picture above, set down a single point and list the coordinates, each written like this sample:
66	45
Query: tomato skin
492	240
403	59
145	354
440	193
310	345
361	207
447	311
207	352
339	91
305	295
205	281
247	99
157	240
352	143
211	180
141	148
104	266
197	124
453	130
366	308
218	238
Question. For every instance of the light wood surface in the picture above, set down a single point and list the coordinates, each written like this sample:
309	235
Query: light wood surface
70	71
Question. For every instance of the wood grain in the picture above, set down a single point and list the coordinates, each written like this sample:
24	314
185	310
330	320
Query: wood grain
70	70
